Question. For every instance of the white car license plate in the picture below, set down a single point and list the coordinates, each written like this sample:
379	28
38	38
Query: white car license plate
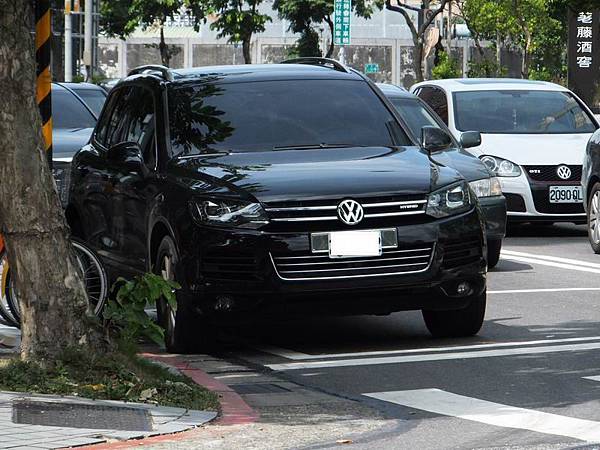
565	194
348	244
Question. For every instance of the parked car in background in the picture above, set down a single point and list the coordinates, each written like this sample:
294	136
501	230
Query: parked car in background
590	185
534	136
284	189
75	110
484	184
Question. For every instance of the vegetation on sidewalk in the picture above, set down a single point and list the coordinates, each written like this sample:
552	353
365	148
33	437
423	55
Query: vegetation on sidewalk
117	373
109	376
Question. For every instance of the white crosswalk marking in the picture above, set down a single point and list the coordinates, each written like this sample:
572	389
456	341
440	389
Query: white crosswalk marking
469	408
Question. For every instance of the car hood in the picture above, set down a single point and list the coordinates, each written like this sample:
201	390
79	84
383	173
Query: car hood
66	142
310	174
535	149
469	166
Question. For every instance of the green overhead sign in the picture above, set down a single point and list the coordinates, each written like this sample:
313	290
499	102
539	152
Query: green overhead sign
342	15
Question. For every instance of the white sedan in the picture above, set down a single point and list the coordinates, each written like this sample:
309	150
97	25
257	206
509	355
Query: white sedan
534	136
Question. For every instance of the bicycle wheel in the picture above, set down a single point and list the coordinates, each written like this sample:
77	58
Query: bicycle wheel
94	278
5	313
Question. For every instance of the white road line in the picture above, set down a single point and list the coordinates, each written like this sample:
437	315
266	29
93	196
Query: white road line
528	291
575	262
593	378
549	263
482	411
437	357
283	352
297	356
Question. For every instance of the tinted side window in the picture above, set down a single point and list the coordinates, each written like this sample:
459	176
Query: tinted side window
116	123
104	120
436	99
139	122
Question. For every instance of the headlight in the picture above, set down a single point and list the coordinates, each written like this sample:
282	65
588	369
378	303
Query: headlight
501	167
450	200
228	212
488	187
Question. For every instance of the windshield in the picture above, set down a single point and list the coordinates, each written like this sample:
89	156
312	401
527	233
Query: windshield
94	98
520	112
272	115
68	112
415	114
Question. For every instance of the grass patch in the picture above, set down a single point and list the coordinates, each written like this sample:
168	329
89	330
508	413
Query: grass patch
113	376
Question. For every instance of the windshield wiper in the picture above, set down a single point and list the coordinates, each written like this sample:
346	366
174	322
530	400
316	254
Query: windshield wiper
314	146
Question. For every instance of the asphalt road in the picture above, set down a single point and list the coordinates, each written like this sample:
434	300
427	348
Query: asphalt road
530	379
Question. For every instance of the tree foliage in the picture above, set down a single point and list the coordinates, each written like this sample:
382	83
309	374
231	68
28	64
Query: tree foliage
528	25
120	18
304	15
446	68
238	20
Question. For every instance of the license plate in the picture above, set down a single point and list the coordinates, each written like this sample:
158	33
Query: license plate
348	244
565	194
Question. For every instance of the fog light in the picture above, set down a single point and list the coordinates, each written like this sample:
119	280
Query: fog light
463	288
224	304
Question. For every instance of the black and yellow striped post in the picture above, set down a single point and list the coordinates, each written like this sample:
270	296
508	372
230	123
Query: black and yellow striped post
43	50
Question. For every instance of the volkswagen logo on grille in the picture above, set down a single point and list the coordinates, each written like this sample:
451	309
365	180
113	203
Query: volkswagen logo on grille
563	172
350	212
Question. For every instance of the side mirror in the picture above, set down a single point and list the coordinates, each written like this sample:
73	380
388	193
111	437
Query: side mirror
127	155
470	139
434	139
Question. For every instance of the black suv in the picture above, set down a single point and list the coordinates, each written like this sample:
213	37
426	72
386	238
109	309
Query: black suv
277	189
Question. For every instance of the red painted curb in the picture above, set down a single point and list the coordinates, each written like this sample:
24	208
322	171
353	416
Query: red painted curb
234	410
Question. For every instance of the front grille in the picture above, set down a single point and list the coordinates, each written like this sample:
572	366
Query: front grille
459	253
548	173
515	203
326	210
543	205
229	267
397	261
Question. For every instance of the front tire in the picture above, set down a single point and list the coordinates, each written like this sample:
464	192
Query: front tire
457	322
593	218
185	332
494	247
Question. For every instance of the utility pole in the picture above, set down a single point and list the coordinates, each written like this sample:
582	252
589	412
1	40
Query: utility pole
68	42
87	39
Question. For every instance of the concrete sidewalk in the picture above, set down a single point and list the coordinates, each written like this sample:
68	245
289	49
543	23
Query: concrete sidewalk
34	421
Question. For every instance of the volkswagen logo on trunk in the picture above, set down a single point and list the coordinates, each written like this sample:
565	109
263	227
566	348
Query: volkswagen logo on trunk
350	212
563	172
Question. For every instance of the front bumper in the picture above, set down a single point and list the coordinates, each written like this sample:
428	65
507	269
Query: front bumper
238	268
527	201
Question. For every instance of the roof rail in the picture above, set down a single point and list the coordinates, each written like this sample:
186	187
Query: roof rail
164	71
317	61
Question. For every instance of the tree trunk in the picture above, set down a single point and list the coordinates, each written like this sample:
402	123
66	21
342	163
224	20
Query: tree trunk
332	42
498	53
52	295
246	50
418	60
165	56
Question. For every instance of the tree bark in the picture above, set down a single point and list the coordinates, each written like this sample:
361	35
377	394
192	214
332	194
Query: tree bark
332	42
54	306
165	56
246	51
